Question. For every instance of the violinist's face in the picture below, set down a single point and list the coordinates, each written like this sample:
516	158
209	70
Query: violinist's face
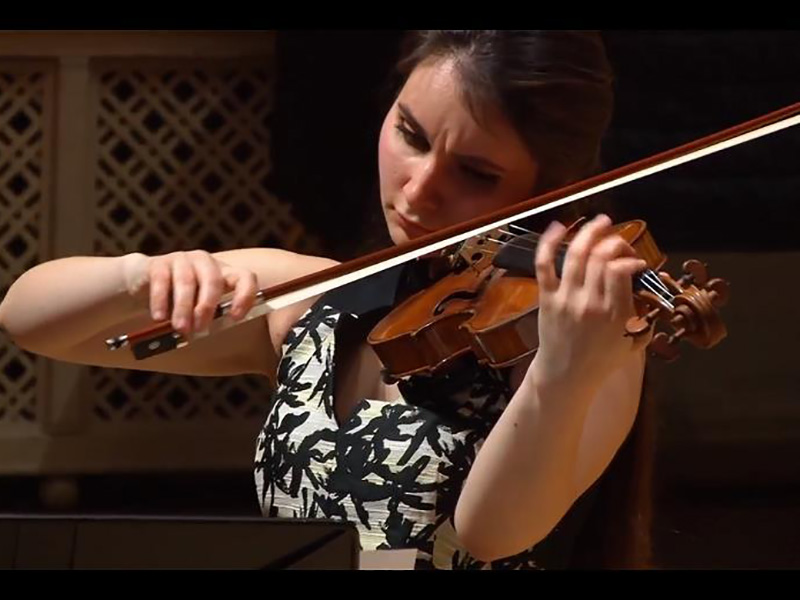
438	165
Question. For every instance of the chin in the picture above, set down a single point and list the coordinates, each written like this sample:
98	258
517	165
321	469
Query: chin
398	235
396	232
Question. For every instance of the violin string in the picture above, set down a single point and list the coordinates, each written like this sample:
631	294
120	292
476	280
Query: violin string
508	243
527	231
526	236
562	248
657	281
656	292
526	245
522	238
529	241
513	235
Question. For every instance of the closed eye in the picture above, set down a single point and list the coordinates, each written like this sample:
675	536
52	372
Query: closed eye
477	169
480	176
412	137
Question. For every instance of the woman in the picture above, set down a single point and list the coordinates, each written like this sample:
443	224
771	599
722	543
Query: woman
475	468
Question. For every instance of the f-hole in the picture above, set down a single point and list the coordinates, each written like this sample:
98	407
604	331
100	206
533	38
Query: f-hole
460	295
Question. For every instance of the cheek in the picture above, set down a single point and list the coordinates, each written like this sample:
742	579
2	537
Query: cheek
472	205
390	162
512	192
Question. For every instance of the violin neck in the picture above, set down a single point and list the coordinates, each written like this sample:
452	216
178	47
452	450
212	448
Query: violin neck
517	257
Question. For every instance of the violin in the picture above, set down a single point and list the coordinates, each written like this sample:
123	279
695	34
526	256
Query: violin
486	304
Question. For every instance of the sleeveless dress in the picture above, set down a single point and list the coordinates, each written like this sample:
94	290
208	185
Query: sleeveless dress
395	468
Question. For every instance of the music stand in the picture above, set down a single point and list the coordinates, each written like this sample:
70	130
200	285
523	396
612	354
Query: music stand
148	542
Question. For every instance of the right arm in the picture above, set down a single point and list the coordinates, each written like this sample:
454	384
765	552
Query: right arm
65	309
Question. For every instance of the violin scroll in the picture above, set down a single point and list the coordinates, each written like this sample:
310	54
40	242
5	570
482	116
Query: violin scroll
689	310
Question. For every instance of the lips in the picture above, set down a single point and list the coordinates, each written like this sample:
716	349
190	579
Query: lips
411	226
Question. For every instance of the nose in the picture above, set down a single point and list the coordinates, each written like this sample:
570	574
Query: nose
422	190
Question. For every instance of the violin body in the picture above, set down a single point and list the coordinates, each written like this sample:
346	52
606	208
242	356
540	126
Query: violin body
488	306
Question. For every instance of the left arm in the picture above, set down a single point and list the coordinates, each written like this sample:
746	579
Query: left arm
546	450
573	406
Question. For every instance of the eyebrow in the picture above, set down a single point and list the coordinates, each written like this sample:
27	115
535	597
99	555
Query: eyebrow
475	161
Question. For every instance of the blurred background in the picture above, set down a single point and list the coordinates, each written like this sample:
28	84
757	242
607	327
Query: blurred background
114	142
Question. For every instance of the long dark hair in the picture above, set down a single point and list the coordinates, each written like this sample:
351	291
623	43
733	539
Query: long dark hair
556	89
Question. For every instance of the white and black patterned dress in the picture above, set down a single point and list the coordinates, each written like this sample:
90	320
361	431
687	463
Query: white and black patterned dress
393	468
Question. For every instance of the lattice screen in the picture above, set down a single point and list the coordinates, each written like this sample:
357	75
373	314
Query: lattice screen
26	106
183	160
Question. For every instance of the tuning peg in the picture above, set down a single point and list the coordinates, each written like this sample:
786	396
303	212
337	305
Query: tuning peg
719	291
664	346
636	326
696	273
